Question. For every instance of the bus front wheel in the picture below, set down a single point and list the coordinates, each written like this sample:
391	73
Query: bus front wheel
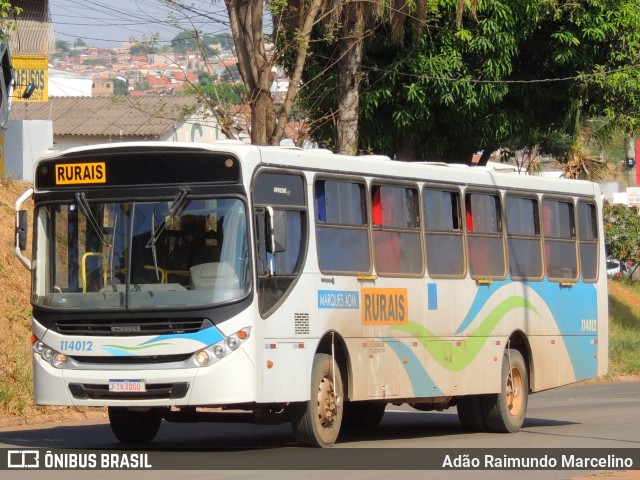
316	423
505	411
132	426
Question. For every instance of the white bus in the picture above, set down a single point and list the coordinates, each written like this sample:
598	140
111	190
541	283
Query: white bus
188	282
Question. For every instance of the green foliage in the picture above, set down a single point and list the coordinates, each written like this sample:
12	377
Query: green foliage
225	40
62	45
148	44
220	93
7	10
94	61
120	87
79	43
524	73
191	40
622	232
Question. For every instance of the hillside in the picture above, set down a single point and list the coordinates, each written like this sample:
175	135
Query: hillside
15	326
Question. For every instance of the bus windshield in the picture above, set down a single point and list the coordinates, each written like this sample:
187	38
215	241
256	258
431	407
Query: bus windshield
178	252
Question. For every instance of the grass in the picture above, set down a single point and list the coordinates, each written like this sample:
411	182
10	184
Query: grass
624	327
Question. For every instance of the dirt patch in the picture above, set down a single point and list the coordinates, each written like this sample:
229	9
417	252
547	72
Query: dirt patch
627	297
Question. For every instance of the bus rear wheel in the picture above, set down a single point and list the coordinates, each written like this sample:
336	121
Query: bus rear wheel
316	423
471	413
505	411
133	426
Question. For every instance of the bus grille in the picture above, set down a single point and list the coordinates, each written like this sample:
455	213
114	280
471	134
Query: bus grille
122	328
131	360
86	391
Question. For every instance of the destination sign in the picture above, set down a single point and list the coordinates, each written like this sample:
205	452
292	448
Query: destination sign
77	173
132	165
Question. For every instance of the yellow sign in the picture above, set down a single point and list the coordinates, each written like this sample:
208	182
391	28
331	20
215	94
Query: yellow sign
31	69
385	306
75	173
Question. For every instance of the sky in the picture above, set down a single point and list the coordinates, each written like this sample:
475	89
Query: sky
109	23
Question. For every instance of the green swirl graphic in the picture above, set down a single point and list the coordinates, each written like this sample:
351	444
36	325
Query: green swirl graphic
140	347
441	350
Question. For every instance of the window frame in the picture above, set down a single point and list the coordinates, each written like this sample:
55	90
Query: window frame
365	227
417	230
595	241
537	217
460	232
305	237
471	234
550	240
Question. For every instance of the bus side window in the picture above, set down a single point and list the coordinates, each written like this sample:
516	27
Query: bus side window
342	238
588	238
484	241
280	200
443	232
561	261
523	238
396	230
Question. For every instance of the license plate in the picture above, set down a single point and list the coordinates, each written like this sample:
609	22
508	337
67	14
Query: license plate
127	386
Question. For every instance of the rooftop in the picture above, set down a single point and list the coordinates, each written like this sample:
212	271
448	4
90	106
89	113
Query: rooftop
107	116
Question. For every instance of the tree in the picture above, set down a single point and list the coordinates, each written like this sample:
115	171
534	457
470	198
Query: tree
622	232
120	87
346	27
191	40
256	67
62	45
225	93
524	73
225	40
7	10
79	43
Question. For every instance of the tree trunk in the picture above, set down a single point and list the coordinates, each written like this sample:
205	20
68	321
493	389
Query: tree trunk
406	150
351	48
263	118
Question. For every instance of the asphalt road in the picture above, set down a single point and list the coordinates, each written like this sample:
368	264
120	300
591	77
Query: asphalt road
594	416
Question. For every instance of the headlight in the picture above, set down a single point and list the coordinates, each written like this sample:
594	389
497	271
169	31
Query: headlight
213	353
49	355
59	360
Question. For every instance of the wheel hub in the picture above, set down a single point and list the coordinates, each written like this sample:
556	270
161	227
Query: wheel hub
327	403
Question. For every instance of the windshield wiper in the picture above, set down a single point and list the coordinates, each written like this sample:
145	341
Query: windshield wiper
177	206
81	200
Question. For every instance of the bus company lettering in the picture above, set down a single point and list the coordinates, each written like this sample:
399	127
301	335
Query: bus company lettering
338	299
71	174
385	306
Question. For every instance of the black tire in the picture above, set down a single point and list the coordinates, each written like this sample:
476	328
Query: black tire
317	423
130	426
366	414
505	412
471	413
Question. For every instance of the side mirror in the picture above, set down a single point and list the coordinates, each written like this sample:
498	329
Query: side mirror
21	230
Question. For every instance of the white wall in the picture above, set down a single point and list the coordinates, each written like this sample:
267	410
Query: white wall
67	84
25	142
